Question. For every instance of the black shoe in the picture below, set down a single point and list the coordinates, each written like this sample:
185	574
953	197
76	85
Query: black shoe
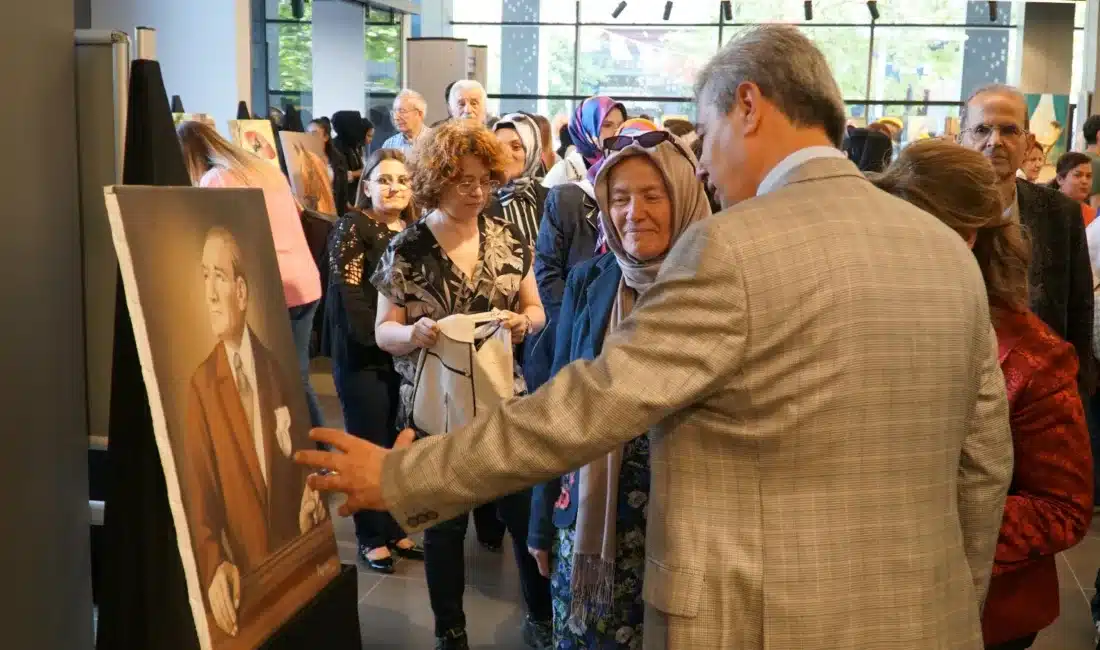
538	634
381	565
492	547
453	640
414	552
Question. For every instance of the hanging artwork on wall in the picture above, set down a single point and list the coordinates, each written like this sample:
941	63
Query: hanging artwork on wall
228	406
1049	121
255	136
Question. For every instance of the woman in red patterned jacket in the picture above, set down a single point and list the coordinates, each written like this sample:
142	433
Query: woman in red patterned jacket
1049	505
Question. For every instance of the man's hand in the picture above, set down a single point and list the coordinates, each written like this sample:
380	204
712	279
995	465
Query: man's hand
542	558
225	597
312	511
357	472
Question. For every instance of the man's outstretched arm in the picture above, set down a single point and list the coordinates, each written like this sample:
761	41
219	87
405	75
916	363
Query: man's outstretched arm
683	341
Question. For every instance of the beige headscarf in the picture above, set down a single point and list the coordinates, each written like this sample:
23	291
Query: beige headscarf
594	549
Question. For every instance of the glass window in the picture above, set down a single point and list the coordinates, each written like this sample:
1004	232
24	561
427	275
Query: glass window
928	12
301	101
282	10
525	60
825	11
660	111
920	122
648	12
383	54
641	61
845	48
918	63
290	56
514	11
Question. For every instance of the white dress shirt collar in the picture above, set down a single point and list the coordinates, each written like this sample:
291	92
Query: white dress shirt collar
794	161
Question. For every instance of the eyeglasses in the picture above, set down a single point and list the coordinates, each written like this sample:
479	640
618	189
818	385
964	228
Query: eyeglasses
403	112
488	187
646	140
402	182
982	132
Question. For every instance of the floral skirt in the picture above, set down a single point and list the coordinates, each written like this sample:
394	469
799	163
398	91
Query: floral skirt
621	628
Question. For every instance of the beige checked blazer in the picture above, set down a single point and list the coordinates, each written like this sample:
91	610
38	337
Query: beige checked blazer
830	440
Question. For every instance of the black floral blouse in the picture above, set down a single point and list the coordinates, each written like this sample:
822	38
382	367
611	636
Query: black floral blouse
416	274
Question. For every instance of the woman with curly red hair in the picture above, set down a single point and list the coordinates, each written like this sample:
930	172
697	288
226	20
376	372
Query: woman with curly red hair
457	260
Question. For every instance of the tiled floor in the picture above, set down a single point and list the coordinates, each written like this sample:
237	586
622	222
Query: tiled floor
394	610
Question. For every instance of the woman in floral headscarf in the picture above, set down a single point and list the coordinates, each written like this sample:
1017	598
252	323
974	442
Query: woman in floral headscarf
569	228
520	200
648	196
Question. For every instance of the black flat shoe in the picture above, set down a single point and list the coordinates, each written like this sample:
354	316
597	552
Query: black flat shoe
414	552
380	565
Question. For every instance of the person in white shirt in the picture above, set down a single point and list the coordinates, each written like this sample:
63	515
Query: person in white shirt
409	109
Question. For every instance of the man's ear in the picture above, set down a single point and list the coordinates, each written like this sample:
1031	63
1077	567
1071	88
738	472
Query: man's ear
748	101
242	293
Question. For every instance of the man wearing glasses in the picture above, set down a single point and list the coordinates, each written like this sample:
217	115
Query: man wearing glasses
995	124
408	113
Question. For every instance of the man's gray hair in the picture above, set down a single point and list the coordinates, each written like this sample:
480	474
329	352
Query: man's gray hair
790	72
413	97
995	89
462	85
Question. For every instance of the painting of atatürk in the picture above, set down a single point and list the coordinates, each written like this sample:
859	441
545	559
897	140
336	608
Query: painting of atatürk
205	297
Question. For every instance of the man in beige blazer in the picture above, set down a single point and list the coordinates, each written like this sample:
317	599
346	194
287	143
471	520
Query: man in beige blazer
817	372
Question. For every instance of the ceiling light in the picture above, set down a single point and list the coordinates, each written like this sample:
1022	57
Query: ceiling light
619	10
727	10
872	6
808	6
668	10
992	11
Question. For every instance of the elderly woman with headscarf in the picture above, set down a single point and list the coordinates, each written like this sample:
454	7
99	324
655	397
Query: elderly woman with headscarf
595	518
569	228
520	200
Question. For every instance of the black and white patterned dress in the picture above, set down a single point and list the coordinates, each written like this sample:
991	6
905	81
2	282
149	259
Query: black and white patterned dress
415	273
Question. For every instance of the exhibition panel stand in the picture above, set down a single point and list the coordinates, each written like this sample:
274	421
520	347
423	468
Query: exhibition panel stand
143	600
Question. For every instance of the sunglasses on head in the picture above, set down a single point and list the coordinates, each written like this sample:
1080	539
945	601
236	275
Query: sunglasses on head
646	140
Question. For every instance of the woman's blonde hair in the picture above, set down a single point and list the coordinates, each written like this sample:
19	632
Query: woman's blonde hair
204	148
316	190
439	158
959	187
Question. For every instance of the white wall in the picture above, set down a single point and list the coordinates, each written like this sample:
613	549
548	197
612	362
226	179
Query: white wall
435	18
203	47
339	59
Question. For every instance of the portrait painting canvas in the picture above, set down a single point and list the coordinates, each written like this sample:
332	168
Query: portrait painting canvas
306	164
228	405
255	136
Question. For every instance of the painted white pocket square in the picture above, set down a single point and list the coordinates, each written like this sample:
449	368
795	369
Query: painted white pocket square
282	430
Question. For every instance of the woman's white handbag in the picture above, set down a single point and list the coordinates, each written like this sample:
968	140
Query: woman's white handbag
467	372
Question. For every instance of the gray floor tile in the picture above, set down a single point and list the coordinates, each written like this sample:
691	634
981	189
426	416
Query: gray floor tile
1073	630
1084	560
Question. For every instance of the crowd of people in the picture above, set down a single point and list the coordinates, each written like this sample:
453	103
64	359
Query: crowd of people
850	411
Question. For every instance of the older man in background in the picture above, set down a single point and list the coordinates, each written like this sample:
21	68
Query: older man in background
409	109
818	374
468	100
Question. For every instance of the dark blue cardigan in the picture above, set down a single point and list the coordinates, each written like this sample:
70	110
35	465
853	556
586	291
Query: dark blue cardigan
585	311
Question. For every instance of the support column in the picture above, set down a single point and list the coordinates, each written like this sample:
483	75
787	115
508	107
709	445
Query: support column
44	551
519	56
434	20
204	48
1047	56
339	57
1090	82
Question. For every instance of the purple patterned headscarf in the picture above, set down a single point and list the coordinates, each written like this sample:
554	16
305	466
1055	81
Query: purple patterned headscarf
584	129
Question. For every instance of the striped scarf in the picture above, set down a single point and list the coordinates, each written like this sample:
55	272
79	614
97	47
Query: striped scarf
520	206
